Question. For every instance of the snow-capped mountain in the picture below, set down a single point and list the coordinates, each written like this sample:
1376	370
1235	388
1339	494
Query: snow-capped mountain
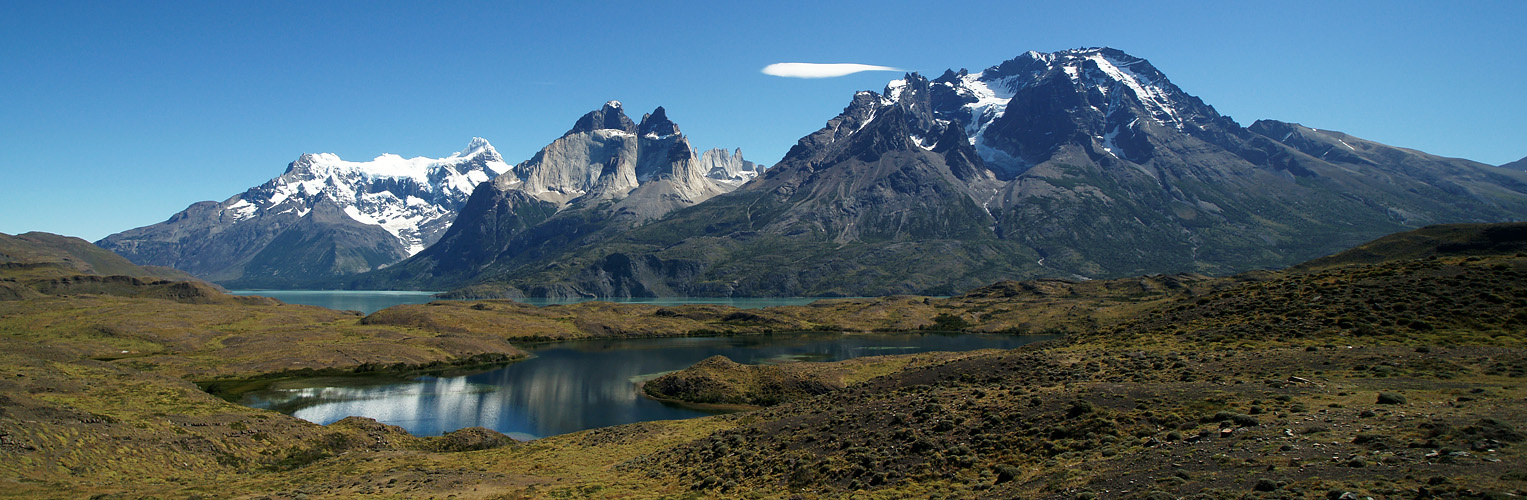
415	199
605	176
344	216
1081	163
645	169
1107	93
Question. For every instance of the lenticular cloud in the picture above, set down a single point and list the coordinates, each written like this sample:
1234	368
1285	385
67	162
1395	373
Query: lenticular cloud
814	70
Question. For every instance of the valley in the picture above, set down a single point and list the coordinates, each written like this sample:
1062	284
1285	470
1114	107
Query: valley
1390	370
1061	276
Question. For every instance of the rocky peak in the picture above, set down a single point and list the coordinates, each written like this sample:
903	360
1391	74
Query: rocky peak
480	147
916	94
611	116
723	166
859	112
657	124
304	163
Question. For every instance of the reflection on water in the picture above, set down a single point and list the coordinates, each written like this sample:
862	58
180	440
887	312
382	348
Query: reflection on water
572	386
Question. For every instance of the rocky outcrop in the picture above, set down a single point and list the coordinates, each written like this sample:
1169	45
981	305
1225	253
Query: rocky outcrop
720	165
718	380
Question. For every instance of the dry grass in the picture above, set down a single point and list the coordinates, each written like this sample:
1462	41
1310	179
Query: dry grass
1131	404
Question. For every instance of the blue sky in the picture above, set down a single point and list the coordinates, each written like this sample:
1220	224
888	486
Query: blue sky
115	115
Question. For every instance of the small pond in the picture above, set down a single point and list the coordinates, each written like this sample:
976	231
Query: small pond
572	386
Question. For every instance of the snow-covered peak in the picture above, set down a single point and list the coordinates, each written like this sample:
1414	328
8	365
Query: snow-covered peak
1110	71
478	146
1108	81
391	166
413	198
612	104
1114	71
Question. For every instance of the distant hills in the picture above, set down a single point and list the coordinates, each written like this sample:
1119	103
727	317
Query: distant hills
70	255
36	264
1432	241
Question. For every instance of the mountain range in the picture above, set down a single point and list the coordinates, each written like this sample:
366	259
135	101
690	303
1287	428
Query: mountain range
1086	163
605	176
325	217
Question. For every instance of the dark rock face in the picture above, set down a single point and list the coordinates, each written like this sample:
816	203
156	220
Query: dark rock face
282	250
325	242
609	117
1083	163
657	123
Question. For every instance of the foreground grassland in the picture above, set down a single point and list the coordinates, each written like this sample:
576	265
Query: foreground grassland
1393	379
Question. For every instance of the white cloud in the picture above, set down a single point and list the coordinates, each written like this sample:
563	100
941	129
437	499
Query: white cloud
814	70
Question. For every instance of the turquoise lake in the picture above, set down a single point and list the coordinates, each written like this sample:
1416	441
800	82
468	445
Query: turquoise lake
370	301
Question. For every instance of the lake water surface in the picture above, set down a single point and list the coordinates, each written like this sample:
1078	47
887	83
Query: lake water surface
366	301
572	386
370	301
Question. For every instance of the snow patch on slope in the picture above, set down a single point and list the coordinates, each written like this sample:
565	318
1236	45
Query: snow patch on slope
989	106
1156	98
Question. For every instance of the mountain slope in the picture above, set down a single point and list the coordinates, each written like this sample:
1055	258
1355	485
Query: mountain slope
1516	165
363	214
606	175
1430	241
35	264
1119	172
75	256
1082	163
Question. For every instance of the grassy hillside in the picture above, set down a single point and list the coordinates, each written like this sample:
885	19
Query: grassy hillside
1395	379
1237	393
1431	241
76	256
